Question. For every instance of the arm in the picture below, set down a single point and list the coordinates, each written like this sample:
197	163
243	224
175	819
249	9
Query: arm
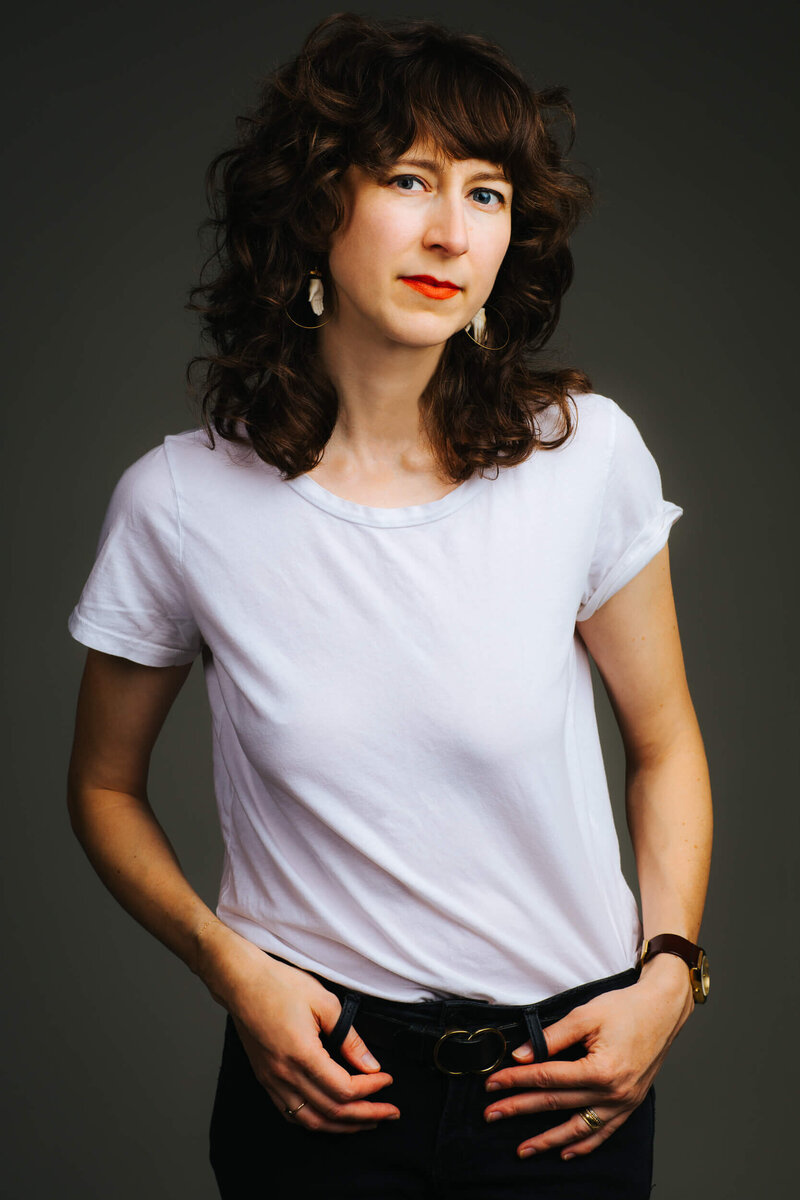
121	709
634	640
279	1010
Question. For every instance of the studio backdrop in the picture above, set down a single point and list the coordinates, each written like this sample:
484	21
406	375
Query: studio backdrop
682	310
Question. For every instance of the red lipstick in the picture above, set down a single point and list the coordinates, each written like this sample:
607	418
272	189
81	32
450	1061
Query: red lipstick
436	289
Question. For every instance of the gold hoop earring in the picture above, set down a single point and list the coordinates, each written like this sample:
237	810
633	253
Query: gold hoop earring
483	345
299	326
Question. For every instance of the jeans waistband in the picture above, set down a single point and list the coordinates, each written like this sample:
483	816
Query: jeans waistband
419	1024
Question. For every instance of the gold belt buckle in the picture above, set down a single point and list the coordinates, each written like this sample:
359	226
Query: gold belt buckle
484	1070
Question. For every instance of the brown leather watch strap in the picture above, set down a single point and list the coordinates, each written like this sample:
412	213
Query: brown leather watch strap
672	943
694	956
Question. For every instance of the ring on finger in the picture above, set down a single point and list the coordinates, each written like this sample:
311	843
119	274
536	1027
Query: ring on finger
591	1118
291	1111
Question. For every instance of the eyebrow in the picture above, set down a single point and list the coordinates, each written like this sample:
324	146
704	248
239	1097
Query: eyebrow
430	165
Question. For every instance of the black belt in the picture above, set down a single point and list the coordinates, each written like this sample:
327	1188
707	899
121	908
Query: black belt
455	1051
457	1036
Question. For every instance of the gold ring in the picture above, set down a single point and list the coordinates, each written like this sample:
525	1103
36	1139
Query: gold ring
292	1111
591	1118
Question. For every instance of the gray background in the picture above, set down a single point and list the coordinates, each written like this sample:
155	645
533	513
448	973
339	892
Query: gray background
681	310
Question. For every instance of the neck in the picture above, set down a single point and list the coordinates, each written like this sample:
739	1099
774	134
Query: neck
379	384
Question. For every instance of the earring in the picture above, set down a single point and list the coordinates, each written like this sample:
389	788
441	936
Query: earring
478	327
316	294
478	324
315	299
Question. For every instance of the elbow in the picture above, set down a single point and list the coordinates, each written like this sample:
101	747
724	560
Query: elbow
79	802
75	808
654	747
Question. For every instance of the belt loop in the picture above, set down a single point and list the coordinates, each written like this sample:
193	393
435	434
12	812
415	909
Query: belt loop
531	1014
333	1040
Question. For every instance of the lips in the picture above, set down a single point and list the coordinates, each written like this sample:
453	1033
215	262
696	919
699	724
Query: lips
436	289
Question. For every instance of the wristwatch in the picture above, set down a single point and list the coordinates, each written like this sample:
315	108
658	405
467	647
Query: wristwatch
694	956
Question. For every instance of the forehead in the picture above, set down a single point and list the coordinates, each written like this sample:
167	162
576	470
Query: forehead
441	164
423	150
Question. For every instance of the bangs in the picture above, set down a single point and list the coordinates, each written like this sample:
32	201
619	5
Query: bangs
452	103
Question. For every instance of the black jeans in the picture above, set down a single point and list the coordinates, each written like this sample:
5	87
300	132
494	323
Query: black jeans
441	1148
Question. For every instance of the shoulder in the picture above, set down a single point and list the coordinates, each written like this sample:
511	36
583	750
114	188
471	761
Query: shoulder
604	445
595	419
605	433
191	457
605	420
155	471
147	485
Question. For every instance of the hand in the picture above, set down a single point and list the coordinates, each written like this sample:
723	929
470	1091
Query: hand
279	1012
626	1034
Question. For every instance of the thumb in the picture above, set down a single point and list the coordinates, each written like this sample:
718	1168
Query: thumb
570	1029
558	1036
355	1050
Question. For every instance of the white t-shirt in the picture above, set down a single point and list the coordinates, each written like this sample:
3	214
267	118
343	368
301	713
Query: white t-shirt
406	757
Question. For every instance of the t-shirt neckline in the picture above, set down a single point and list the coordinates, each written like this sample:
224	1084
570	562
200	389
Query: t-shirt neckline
366	514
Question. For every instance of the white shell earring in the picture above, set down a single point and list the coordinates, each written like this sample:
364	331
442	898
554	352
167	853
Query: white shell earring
316	294
478	326
478	323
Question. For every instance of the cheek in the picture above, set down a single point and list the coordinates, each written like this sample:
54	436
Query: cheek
365	254
492	254
501	246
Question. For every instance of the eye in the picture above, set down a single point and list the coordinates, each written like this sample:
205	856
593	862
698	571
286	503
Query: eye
402	180
489	192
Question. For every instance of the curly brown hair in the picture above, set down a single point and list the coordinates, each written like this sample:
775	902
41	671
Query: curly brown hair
363	92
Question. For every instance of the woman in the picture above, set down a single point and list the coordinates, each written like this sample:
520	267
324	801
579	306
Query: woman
421	863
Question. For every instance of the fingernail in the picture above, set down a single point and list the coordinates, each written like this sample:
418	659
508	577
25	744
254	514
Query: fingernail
493	1087
527	1152
521	1053
369	1061
565	1157
393	1116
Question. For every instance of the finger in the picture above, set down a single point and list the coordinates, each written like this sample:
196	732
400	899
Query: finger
576	1149
352	1048
320	1111
334	1080
356	1051
332	1096
570	1029
557	1037
572	1133
533	1102
579	1074
309	1117
342	1097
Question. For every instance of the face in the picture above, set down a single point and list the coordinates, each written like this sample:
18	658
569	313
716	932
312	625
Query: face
450	222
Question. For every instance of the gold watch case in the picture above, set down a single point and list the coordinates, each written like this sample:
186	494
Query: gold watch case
699	973
701	979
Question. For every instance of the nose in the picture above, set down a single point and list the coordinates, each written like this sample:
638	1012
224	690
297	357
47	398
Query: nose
447	227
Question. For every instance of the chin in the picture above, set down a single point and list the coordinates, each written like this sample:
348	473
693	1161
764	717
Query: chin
435	333
422	342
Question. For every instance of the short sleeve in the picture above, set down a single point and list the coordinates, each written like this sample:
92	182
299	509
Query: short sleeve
134	602
634	521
